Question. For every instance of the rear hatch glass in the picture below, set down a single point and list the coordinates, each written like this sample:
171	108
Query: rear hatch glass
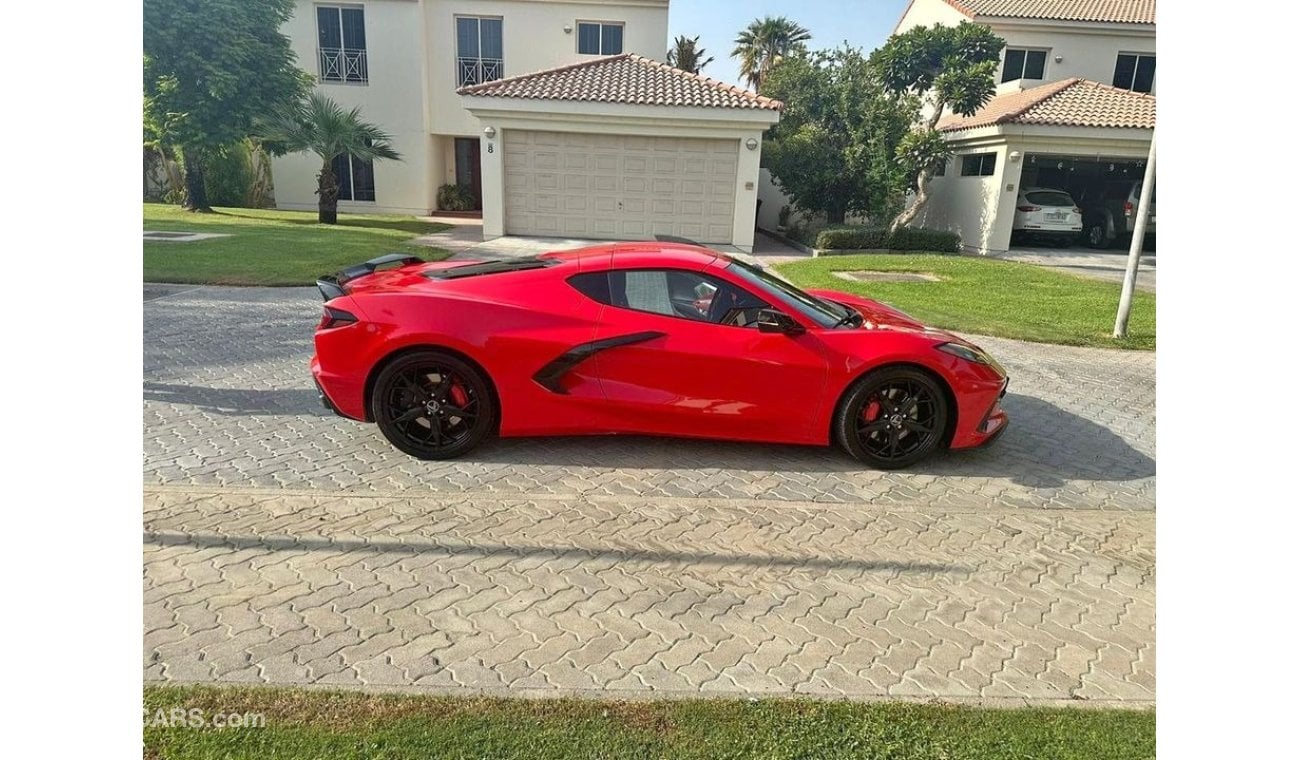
1049	198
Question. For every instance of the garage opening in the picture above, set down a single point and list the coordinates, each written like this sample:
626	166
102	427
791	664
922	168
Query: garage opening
619	187
1106	189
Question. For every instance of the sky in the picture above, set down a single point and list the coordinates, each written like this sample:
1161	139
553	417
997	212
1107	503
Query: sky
862	23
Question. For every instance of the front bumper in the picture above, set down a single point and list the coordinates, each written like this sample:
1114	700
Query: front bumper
995	421
991	425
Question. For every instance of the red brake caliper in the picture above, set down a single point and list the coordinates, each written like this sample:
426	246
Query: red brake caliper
871	412
458	396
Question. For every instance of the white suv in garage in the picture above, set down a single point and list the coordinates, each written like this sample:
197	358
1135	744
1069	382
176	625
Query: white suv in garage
1047	214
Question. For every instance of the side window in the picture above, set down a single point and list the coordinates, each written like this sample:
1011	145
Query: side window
1135	71
672	293
597	38
594	285
1020	63
979	164
341	44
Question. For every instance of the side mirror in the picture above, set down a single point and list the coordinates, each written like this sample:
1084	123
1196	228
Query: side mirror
773	321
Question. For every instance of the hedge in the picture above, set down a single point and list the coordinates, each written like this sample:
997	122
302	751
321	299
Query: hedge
878	238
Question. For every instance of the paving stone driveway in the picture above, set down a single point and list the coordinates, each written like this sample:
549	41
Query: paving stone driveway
285	545
229	401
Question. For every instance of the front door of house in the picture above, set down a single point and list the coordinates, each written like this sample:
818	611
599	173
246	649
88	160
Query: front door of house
467	168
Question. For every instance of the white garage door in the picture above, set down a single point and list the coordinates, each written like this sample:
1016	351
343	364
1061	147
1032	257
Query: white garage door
619	187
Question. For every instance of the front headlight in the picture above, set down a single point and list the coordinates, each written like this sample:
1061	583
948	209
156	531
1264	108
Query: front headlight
965	352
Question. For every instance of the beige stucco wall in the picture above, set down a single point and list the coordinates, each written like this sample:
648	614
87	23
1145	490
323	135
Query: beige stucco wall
973	206
390	99
411	51
533	39
1085	52
928	13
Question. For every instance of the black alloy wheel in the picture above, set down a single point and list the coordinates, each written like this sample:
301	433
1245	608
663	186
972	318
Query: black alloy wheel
432	405
892	418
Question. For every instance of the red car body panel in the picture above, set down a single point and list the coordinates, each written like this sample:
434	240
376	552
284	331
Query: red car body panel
679	378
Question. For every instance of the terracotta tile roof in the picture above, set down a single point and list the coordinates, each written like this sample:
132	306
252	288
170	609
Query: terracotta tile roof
1115	11
1069	103
625	78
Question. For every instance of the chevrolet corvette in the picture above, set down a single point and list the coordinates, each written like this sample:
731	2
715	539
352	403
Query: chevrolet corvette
656	338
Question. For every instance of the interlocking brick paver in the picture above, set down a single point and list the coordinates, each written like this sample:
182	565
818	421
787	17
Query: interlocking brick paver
285	545
830	624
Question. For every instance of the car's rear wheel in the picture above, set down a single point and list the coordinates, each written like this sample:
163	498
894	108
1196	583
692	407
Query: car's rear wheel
432	405
1096	234
892	418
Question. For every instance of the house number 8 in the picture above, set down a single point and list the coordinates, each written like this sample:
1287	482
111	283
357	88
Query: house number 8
489	147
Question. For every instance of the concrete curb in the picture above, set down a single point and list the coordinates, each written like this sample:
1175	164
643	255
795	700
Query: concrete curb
634	695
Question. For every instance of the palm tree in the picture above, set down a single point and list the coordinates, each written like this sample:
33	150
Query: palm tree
687	56
323	127
764	43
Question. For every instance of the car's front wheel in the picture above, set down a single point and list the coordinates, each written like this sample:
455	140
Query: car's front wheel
432	405
892	418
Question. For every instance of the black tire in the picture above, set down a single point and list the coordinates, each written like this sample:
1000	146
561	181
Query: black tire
892	417
432	405
1095	233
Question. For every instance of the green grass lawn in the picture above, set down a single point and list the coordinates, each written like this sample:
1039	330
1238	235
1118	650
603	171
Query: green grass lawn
991	297
269	247
318	724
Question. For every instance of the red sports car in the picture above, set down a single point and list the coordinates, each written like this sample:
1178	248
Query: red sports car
646	338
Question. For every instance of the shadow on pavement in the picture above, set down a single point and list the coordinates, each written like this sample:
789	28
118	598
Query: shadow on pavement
486	550
238	402
1044	447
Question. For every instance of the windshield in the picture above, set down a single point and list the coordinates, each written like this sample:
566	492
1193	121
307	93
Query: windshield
822	312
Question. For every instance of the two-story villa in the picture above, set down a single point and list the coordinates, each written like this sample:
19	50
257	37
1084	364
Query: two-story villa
554	114
1075	108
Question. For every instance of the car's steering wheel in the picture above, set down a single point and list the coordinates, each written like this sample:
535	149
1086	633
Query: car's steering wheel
740	316
689	308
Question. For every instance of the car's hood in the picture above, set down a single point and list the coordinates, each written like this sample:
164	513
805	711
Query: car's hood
877	314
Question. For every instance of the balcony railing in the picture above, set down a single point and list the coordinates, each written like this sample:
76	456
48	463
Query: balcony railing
343	65
477	70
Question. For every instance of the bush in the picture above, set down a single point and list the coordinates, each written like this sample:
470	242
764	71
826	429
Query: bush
455	198
228	176
915	239
878	238
845	238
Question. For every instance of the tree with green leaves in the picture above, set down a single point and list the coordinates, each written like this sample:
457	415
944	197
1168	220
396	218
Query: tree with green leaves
834	149
950	68
762	44
687	55
321	126
210	68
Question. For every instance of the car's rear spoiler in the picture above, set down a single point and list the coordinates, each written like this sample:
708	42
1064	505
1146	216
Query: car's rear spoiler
331	285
